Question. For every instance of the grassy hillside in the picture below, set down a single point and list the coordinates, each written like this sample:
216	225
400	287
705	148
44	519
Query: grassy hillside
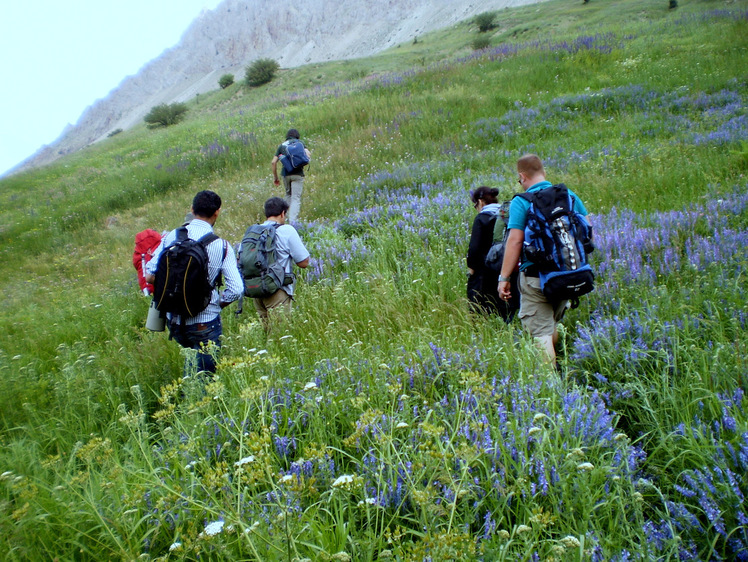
383	420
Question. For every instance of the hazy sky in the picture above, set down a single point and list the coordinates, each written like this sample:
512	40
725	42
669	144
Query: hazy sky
59	57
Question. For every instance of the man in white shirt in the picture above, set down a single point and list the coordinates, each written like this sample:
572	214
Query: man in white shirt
204	330
289	250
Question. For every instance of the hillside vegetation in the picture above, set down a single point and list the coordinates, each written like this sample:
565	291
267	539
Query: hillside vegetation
383	420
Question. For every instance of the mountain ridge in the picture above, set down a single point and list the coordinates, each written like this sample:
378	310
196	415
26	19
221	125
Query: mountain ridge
237	32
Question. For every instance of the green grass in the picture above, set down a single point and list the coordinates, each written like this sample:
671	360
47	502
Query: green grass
383	420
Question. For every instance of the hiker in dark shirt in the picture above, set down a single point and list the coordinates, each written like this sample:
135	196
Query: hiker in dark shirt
482	282
293	180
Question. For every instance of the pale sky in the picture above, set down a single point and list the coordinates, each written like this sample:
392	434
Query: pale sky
58	57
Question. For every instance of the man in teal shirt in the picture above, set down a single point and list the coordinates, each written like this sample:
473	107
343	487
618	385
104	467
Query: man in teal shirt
538	315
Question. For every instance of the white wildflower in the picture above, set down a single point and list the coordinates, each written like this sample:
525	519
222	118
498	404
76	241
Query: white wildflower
402	425
587	466
175	546
521	529
214	528
534	431
343	480
245	460
310	385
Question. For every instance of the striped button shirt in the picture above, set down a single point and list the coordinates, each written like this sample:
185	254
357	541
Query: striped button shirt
217	263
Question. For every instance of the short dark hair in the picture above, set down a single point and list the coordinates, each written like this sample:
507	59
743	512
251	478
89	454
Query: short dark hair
205	204
486	194
275	206
293	134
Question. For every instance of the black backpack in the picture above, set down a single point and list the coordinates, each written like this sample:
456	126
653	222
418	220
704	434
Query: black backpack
258	262
182	285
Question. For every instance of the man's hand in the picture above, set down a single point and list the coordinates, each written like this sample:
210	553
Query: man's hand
505	290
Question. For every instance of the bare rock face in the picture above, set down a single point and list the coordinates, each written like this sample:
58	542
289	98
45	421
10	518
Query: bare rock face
238	32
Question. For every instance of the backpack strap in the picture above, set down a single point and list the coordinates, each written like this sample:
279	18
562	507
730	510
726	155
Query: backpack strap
205	241
182	234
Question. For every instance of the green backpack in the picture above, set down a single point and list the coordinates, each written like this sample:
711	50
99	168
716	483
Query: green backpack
258	262
495	255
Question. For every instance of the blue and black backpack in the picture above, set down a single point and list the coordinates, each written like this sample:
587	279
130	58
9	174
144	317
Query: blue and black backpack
558	240
294	156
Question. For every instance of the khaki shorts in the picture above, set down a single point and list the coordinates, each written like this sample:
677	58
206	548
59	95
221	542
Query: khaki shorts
538	316
278	299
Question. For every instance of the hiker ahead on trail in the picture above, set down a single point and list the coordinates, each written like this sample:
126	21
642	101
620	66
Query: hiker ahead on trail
481	282
186	271
293	156
547	226
266	257
485	254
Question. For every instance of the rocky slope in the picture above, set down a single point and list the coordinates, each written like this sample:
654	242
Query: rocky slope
237	32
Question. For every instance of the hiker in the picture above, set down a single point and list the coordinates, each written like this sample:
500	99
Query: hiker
539	314
204	327
292	170
289	250
481	283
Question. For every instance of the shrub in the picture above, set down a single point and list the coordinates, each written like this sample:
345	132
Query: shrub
485	21
225	81
164	115
261	72
481	43
115	132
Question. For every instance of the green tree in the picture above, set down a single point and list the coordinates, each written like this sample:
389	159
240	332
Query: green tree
261	72
164	115
485	21
225	81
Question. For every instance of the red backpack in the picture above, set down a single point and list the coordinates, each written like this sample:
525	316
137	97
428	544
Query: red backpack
146	243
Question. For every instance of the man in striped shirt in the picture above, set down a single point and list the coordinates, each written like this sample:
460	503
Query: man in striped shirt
203	331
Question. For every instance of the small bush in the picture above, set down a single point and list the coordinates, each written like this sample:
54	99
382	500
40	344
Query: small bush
261	72
481	43
225	81
164	115
485	21
115	132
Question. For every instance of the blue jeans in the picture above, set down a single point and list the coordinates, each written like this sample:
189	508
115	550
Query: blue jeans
197	336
